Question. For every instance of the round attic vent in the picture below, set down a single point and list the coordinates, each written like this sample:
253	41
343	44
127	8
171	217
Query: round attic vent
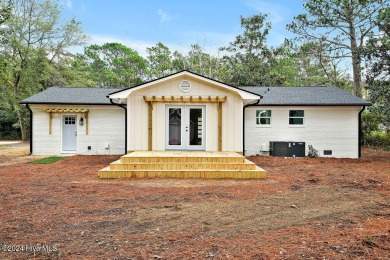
185	86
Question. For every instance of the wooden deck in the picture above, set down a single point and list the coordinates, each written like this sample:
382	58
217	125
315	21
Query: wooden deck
182	164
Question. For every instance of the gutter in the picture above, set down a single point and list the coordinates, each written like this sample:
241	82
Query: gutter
31	129
125	108
257	102
360	134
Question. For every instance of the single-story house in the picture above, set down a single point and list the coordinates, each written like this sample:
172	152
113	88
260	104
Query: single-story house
187	111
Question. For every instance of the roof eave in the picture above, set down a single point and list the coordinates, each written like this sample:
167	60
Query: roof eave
64	103
319	105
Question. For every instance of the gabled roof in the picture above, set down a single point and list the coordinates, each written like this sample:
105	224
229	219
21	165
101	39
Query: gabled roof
306	96
71	95
243	93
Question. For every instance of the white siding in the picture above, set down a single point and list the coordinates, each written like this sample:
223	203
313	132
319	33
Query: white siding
231	115
326	128
106	125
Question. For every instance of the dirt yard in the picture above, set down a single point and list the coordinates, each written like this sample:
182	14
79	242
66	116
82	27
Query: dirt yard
306	209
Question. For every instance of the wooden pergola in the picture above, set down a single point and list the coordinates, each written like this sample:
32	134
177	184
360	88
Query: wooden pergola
184	99
67	110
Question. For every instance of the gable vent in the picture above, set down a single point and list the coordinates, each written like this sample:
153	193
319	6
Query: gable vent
185	86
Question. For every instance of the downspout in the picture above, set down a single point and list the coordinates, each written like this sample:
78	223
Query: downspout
243	122
125	108
31	128
360	135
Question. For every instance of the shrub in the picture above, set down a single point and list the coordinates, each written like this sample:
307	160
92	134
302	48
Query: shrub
378	138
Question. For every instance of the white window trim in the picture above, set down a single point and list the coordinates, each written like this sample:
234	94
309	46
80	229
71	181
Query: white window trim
303	118
260	125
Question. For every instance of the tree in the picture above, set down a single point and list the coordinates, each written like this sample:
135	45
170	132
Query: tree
341	26
378	68
36	38
5	14
251	59
114	65
159	61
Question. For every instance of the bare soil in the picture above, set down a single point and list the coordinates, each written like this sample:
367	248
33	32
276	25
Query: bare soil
305	209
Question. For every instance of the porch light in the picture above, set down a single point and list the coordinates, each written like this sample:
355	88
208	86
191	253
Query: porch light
81	122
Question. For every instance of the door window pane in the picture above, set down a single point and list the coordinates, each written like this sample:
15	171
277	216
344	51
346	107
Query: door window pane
70	120
175	126
196	126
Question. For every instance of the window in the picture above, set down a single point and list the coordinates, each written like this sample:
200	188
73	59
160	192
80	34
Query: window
296	117
70	120
263	117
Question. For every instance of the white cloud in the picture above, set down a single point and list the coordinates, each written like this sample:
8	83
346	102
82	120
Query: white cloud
209	41
69	4
276	13
279	15
163	15
138	45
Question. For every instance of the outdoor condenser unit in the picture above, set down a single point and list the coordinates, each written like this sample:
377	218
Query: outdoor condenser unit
287	149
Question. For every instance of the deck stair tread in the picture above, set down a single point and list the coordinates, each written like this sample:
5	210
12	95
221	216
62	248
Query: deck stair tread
182	164
186	170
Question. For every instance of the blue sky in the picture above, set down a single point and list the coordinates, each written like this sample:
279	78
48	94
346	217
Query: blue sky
178	24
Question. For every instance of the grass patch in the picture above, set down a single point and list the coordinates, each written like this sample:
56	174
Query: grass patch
47	160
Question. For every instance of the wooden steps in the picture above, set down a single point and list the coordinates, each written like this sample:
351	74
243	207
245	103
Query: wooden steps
180	164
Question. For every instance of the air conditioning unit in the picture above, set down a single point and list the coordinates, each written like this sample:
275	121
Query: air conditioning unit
287	149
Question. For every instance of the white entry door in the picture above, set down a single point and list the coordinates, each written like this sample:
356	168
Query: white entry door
69	133
185	128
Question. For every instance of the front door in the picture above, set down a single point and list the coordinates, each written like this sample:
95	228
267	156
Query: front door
185	128
69	133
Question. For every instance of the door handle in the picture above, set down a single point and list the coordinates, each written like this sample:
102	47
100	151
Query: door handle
75	133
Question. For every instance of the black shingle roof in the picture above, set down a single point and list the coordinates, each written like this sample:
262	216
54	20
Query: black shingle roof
70	95
316	96
273	96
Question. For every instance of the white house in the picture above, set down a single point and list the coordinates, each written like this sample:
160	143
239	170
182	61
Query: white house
187	111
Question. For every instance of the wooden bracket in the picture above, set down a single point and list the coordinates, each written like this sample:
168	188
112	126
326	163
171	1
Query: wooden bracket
219	126
50	121
86	122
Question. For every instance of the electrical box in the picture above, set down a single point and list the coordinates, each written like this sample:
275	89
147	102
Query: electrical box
287	149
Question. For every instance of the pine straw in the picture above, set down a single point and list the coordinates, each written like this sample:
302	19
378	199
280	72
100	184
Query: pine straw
307	208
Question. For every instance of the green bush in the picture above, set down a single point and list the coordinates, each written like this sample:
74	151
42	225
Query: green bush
378	138
8	129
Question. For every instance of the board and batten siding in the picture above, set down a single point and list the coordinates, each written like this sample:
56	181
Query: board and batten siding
138	115
325	128
106	125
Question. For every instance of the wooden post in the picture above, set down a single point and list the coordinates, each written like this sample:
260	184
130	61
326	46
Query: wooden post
86	123
150	125
219	126
50	122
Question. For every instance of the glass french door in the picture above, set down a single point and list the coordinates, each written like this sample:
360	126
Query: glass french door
185	128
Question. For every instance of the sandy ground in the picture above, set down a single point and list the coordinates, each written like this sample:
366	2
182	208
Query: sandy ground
15	152
305	209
